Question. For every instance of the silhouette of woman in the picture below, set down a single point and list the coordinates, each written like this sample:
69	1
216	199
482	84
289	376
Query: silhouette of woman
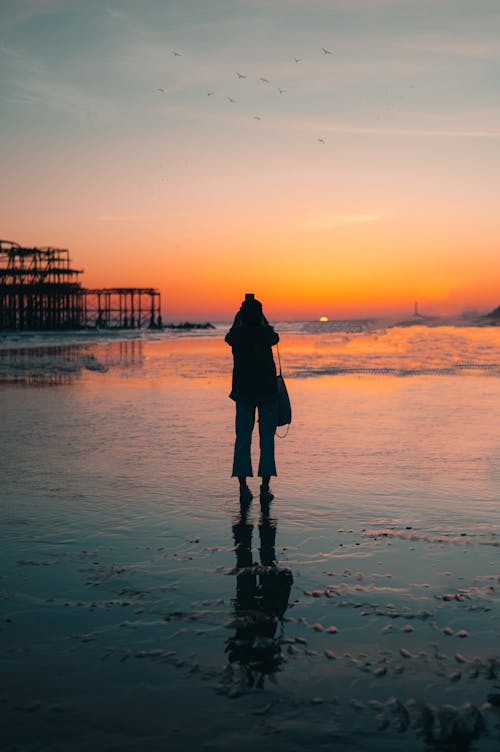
254	387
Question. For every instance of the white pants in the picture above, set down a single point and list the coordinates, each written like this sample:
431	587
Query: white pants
245	421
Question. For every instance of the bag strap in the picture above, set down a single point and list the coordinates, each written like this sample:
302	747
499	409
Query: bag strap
279	359
281	435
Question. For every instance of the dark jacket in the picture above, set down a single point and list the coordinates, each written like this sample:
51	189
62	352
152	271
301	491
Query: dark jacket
254	372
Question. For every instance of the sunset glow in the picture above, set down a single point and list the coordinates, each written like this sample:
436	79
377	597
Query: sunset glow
357	181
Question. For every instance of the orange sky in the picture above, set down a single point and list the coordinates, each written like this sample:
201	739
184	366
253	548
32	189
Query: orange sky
369	180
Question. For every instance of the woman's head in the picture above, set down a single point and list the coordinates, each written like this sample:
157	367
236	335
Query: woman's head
251	311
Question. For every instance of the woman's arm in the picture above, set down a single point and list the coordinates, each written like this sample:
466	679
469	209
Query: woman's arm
272	337
235	325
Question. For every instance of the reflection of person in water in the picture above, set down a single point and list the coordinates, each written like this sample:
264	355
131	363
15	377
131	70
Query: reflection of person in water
254	386
262	593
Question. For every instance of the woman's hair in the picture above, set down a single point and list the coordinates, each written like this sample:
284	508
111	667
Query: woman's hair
251	311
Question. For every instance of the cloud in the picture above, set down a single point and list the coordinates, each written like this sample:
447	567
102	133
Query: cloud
20	61
11	52
350	128
22	11
31	83
226	114
125	217
330	221
421	132
480	48
355	219
117	14
62	97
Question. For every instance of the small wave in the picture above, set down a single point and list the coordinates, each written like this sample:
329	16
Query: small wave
349	326
459	368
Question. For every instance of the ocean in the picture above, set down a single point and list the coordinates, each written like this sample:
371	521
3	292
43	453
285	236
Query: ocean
142	608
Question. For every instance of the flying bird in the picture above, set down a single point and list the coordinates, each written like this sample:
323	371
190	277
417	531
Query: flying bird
177	54
327	52
257	117
281	91
322	140
162	90
210	93
240	75
298	59
230	99
264	80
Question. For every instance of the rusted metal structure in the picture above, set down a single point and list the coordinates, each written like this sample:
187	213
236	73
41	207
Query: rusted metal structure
39	289
122	307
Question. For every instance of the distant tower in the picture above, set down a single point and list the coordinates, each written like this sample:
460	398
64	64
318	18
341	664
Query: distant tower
416	311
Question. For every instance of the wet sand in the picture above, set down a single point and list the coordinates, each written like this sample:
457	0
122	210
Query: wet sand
143	609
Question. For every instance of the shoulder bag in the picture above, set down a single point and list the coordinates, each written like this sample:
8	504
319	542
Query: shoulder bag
284	406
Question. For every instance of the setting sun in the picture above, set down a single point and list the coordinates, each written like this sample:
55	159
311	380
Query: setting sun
323	318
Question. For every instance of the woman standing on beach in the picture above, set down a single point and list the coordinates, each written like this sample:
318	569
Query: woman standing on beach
254	387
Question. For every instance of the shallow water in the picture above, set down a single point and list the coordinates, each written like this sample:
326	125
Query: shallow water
141	607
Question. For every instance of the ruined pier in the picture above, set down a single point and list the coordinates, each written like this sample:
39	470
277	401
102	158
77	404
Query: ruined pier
40	289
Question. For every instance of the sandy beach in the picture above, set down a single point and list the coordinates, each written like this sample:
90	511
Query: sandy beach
142	609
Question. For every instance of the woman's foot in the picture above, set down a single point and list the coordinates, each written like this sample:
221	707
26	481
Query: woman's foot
265	494
246	495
